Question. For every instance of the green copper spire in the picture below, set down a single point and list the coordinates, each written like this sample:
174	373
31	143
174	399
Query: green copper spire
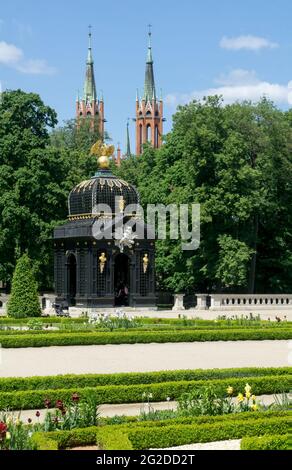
149	86
89	85
128	151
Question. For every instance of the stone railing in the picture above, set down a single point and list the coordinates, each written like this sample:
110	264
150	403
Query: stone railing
46	303
244	301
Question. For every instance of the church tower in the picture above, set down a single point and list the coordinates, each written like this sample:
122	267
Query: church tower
89	105
149	110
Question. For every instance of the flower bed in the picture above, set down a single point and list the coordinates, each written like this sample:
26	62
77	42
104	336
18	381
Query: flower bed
133	337
30	399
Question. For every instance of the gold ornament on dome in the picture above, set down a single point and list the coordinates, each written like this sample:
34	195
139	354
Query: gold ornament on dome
102	152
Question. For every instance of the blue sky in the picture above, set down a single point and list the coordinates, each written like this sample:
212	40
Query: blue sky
240	48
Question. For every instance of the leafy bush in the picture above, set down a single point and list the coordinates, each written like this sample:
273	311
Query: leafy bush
276	442
24	301
35	324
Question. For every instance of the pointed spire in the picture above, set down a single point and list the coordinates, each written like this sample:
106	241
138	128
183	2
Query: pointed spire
89	85
128	151
89	54
149	87
149	52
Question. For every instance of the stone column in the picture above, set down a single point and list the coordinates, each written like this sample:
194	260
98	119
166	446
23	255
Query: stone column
178	302
201	302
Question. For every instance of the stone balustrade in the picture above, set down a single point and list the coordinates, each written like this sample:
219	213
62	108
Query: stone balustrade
239	302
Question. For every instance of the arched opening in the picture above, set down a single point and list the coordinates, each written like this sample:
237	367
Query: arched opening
141	137
71	271
148	133
122	280
156	137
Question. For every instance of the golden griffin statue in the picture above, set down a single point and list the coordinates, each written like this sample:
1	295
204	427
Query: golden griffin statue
102	152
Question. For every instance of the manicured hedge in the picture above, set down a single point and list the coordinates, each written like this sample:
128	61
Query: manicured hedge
131	378
129	337
176	435
62	439
116	436
45	320
32	399
276	442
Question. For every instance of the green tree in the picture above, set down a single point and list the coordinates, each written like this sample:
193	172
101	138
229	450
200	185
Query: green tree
24	301
235	161
33	181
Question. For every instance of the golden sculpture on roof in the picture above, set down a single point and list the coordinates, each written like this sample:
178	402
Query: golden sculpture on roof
102	152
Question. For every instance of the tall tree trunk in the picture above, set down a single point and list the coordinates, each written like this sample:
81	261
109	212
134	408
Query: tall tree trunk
252	273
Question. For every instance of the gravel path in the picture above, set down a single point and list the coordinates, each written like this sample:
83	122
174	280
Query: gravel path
54	360
219	445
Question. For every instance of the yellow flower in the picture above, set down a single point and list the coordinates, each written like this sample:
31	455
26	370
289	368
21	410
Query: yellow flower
230	390
248	395
240	397
247	388
8	436
253	398
254	407
17	422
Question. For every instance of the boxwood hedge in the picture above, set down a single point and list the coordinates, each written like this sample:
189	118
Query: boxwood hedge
32	399
176	435
116	437
93	380
275	442
132	337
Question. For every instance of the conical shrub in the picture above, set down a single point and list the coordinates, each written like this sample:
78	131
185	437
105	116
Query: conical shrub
24	300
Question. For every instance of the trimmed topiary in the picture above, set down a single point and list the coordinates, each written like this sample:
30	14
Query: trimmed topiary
24	300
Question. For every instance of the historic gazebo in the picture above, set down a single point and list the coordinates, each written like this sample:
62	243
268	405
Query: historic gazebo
94	268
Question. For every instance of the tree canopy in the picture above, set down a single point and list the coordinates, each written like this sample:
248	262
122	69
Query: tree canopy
235	161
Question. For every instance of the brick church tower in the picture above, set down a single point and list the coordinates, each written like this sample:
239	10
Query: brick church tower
149	110
89	105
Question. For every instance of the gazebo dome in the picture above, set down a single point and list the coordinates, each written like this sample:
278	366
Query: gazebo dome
102	188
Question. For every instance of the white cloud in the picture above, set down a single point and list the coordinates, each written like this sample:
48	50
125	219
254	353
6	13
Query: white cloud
249	42
36	67
14	57
238	85
9	54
